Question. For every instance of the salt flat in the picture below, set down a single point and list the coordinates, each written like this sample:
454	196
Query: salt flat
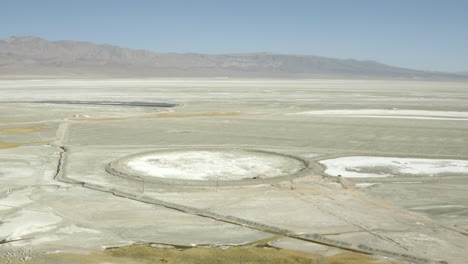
56	194
394	113
366	166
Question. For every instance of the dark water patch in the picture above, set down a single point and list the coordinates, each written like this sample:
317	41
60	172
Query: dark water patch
118	103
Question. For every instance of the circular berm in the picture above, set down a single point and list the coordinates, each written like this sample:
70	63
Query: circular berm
208	167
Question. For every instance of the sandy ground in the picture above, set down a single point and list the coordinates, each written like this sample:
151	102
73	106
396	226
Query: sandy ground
55	194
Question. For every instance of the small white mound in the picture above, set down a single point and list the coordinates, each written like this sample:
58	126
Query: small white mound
395	113
364	166
212	165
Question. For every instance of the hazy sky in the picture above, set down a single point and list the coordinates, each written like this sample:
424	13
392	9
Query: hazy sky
421	34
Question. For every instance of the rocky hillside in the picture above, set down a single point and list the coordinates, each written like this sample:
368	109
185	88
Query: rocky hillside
33	56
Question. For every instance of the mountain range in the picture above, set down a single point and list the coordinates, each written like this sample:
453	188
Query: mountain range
23	57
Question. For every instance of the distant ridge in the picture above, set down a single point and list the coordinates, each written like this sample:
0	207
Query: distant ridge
33	56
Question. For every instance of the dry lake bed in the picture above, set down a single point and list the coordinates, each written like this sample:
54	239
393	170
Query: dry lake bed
233	171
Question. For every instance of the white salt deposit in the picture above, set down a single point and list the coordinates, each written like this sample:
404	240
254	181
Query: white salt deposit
15	169
24	223
16	198
394	113
364	166
212	165
445	206
365	185
75	229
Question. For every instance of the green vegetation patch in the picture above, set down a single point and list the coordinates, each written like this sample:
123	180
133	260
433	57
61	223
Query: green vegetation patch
250	255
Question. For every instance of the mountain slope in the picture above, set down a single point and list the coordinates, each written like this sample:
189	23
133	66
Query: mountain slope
26	56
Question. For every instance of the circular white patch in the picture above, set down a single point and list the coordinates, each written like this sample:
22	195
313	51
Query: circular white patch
212	164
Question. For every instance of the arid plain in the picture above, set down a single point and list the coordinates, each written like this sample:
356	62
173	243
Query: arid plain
318	171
